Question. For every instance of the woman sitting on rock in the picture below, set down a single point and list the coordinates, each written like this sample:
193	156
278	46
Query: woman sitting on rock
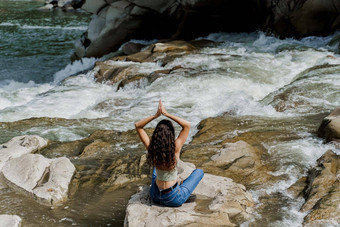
163	154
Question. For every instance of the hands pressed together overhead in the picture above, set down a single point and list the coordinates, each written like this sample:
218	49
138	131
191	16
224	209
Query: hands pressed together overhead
161	109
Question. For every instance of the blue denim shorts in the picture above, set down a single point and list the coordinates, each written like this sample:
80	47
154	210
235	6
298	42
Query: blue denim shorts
178	195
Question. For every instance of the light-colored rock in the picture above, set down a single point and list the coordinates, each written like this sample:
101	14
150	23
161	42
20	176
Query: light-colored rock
177	45
10	220
330	126
26	171
47	7
55	190
219	201
47	180
20	145
326	174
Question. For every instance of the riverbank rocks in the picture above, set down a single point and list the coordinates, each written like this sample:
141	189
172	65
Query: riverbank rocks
116	22
239	161
10	220
321	190
47	180
233	147
127	69
330	126
219	202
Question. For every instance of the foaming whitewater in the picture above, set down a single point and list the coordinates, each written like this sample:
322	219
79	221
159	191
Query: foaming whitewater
234	77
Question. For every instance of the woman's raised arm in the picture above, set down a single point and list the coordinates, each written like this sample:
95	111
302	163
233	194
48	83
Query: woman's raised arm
140	126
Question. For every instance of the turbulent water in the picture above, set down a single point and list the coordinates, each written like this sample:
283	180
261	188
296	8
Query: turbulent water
245	75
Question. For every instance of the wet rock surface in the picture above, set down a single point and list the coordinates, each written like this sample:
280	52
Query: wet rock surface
108	166
330	126
283	100
233	147
321	191
126	69
219	201
116	22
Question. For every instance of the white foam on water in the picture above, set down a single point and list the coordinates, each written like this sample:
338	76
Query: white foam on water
13	94
292	217
295	158
73	68
261	42
32	27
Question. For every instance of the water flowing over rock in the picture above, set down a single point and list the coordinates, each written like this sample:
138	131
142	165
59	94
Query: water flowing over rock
330	126
115	22
126	69
47	180
218	150
321	190
219	201
10	220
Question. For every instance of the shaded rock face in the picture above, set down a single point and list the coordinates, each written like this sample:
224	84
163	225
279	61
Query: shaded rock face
47	180
116	22
10	220
219	201
329	128
321	191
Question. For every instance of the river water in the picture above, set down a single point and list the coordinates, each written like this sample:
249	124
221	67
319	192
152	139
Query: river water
247	74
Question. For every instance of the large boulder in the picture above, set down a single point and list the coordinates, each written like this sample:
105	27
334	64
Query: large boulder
44	179
47	180
10	220
330	126
19	146
219	202
321	191
116	22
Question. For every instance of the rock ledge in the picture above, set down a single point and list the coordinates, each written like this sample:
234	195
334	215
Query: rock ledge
219	201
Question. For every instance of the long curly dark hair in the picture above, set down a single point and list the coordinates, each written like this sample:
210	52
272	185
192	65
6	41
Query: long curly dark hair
161	152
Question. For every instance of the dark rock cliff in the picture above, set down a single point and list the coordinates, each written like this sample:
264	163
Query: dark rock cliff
115	22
